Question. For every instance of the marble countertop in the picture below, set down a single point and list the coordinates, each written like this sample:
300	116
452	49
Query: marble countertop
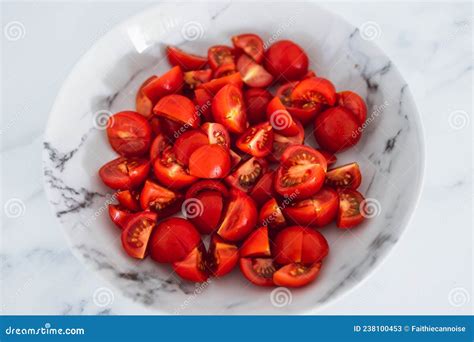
430	269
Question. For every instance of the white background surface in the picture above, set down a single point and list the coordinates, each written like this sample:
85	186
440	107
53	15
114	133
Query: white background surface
430	268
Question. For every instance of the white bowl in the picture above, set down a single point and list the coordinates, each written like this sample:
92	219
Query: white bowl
391	153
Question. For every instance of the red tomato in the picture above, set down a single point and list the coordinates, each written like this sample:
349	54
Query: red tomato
204	186
225	70
286	60
247	174
239	218
251	44
124	173
173	239
158	146
354	103
263	189
219	55
170	128
258	271
318	210
178	108
210	161
297	244
193	267
223	256
143	104
128	199
271	215
257	101
203	102
185	60
330	158
281	143
301	173
235	159
169	172
136	234
296	275
169	83
299	111
257	141
208	214
310	74
336	129
346	176
155	125
159	199
253	74
217	84
257	244
228	109
313	91
350	208
119	215
281	119
129	134
187	143
217	134
196	77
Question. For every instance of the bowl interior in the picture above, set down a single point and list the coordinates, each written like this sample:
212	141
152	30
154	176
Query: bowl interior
106	79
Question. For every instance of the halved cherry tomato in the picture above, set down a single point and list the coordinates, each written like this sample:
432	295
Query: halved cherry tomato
253	74
281	119
263	189
205	210
159	199
196	77
239	218
173	239
170	172
330	158
210	161
257	141
128	199
223	256
247	174
336	129
257	244
129	134
155	125
143	104
346	176
169	83
258	271
286	60
124	173
318	210
297	244
219	55
313	91
204	186
251	44
171	128
178	108
299	111
217	134
203	102
187	143
158	145
296	275
281	143
271	215
354	103
235	158
225	70
136	234
193	267
119	215
350	208
228	109
257	101
301	173
185	60
217	84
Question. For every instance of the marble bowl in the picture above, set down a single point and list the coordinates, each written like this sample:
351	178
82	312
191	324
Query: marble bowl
390	153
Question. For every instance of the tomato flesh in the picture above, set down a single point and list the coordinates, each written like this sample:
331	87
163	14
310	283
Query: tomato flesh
313	91
257	244
228	109
224	256
280	119
247	174
350	211
257	100
167	84
263	189
143	104
213	86
271	215
185	60
196	77
253	74
219	55
193	267
170	172
217	134
119	215
124	173
209	161
178	108
257	141
159	199
128	199
346	176
187	143
258	271
136	234
251	44
296	275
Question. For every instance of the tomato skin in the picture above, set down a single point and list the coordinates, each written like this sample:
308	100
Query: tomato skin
219	55
228	109
156	198
205	211
314	90
124	173
225	70
257	140
251	44
257	244
253	74
300	112
169	83
217	134
263	189
336	129
280	119
185	60
213	86
346	176
143	104
119	215
129	134
354	103
136	234
330	158
187	143
192	267
196	77
169	172
257	100
224	256
178	108
258	271
281	143
209	161
128	199
271	215
239	218
173	239
286	60
350	211
158	146
247	174
318	210
206	185
296	275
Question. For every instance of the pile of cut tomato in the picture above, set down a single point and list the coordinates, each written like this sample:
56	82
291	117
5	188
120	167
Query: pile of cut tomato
219	139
